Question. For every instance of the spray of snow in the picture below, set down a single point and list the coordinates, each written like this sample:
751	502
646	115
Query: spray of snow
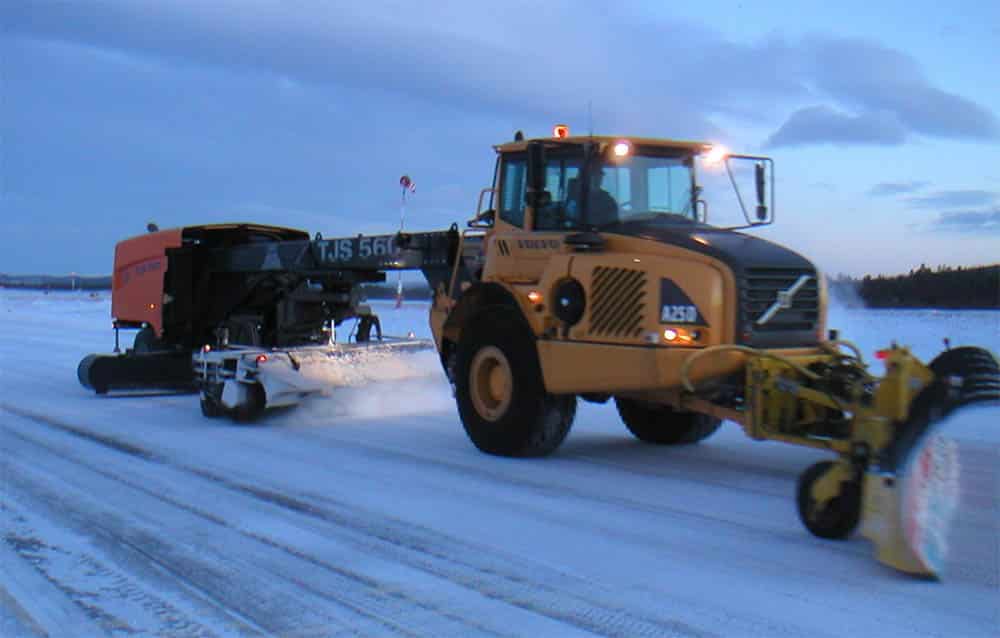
374	385
844	294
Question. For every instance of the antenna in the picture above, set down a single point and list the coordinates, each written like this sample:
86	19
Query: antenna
590	117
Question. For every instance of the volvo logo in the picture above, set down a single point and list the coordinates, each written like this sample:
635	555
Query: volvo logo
784	300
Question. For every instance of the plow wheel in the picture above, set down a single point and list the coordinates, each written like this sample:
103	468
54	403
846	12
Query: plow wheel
499	389
829	500
662	425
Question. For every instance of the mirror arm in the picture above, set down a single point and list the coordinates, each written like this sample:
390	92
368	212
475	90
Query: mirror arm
704	211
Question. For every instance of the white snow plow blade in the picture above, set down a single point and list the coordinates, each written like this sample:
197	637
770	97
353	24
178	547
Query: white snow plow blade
909	516
245	381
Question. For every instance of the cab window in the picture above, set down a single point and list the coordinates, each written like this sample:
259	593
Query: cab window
669	188
562	183
512	194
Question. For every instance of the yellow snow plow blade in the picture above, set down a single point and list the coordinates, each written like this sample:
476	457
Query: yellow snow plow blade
896	473
911	488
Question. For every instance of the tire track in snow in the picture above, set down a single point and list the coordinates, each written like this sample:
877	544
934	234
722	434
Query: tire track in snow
534	588
562	490
511	569
836	570
259	614
107	596
361	595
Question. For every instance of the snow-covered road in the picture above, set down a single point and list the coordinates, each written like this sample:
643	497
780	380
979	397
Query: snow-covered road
368	512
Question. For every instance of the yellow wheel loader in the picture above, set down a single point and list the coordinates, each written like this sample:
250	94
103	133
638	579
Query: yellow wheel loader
590	270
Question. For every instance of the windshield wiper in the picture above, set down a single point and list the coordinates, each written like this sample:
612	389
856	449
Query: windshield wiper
657	216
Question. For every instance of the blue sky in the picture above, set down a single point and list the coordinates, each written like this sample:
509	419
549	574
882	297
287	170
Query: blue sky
883	117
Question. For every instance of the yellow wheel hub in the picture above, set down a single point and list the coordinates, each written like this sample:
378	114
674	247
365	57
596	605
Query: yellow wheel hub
491	383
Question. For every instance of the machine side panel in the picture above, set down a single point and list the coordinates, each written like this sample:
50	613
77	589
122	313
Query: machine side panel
137	285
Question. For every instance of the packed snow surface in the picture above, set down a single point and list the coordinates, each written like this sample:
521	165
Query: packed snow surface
368	512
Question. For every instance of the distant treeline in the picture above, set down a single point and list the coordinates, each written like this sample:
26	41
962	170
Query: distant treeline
49	282
76	282
943	287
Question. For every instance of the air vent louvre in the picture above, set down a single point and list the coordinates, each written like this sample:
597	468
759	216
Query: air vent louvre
618	302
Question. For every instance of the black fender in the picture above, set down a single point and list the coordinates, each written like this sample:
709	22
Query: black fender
478	296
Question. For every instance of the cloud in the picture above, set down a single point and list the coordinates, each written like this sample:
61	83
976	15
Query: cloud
859	91
953	198
885	189
515	68
967	222
824	125
875	78
879	96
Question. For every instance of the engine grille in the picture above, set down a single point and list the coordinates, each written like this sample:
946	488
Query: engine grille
760	290
618	302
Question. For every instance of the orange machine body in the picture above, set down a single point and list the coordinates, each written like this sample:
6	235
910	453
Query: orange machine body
137	288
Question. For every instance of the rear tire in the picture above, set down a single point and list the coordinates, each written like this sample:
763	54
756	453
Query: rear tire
662	425
839	517
501	396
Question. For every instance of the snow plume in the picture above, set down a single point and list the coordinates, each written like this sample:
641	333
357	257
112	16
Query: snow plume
843	293
382	384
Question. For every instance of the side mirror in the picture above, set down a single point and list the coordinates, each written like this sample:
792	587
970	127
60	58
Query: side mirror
759	176
763	173
536	195
484	219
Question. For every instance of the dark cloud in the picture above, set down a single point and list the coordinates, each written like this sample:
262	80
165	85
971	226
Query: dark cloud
972	222
873	78
876	95
824	125
881	96
444	56
305	113
885	189
952	199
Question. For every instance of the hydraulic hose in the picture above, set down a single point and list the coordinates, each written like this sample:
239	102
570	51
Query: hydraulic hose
831	347
686	366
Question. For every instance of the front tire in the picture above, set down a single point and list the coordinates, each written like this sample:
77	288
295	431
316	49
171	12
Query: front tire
501	396
662	425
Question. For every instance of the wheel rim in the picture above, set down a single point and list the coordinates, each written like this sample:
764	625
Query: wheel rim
491	383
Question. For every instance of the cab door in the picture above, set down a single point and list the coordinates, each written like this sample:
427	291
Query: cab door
526	239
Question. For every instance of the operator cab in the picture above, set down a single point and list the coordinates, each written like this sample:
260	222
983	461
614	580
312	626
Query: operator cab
608	184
